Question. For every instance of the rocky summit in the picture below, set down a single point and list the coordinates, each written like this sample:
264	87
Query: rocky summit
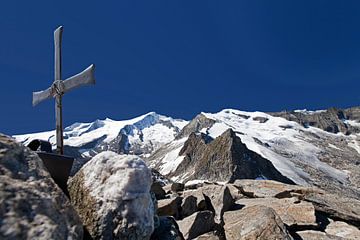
225	175
32	206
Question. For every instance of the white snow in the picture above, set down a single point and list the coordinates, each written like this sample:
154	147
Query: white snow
355	145
282	142
305	111
280	135
171	160
333	146
145	130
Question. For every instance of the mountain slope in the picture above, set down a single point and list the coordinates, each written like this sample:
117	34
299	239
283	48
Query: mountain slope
304	154
140	136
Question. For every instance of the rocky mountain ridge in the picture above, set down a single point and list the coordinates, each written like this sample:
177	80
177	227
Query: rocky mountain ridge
318	148
310	148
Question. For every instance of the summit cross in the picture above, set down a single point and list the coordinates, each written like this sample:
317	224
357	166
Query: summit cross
59	87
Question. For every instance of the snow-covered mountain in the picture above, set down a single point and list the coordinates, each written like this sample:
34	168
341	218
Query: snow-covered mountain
141	135
312	148
319	148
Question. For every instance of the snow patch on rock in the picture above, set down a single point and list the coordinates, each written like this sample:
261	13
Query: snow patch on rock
115	180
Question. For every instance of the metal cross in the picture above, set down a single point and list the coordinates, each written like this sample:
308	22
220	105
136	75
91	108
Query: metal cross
59	87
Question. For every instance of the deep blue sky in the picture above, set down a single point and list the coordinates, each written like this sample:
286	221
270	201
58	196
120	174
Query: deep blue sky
178	58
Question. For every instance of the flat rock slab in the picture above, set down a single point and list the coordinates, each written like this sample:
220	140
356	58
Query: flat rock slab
269	188
342	229
338	207
291	210
32	206
255	222
197	224
316	235
208	236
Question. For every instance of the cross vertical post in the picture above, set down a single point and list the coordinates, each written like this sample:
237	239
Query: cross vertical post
58	100
59	87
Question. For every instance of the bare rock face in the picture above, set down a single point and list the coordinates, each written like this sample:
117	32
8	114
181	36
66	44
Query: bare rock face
330	120
208	236
188	206
169	207
335	206
112	196
195	125
157	189
32	206
256	222
291	210
269	188
220	200
167	230
315	235
216	198
197	224
225	158
342	229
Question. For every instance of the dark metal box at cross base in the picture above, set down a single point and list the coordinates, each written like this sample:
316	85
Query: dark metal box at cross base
59	167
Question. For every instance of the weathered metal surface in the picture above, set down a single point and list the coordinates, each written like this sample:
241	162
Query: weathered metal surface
41	96
84	78
59	167
60	87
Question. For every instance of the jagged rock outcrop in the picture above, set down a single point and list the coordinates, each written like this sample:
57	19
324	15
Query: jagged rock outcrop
330	120
32	206
195	125
111	193
225	158
267	209
254	223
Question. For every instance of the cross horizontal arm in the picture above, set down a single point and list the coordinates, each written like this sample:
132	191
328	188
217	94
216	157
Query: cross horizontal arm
41	96
86	77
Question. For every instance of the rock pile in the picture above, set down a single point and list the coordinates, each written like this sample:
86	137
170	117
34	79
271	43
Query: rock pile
118	197
261	209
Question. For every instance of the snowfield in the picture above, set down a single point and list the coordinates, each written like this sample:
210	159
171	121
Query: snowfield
148	130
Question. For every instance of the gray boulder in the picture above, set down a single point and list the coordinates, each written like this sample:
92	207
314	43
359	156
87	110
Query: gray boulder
342	229
32	206
256	222
197	224
157	189
336	207
291	211
112	196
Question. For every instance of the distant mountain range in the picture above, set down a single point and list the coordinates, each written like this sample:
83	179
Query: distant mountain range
312	148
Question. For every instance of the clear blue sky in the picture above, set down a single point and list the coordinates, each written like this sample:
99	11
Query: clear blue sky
178	58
